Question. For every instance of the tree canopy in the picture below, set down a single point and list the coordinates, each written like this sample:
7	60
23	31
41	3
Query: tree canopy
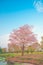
23	36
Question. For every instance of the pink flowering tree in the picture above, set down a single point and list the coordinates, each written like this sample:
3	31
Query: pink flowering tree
23	37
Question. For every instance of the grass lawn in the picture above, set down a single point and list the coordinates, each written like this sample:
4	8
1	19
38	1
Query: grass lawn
10	54
18	54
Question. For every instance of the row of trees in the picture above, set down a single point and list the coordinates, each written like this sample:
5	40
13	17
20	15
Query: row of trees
42	43
3	50
29	48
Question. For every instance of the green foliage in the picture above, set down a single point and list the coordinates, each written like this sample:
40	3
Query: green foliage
30	49
0	50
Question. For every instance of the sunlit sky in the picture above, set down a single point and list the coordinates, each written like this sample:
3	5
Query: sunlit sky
16	13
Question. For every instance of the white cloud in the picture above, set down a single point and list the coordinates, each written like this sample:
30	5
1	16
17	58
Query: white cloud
39	32
4	40
38	5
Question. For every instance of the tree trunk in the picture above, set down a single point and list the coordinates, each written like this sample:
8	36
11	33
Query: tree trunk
23	50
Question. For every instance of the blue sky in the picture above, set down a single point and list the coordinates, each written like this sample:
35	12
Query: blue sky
15	13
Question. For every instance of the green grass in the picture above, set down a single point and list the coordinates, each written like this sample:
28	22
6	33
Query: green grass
37	52
10	54
17	54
